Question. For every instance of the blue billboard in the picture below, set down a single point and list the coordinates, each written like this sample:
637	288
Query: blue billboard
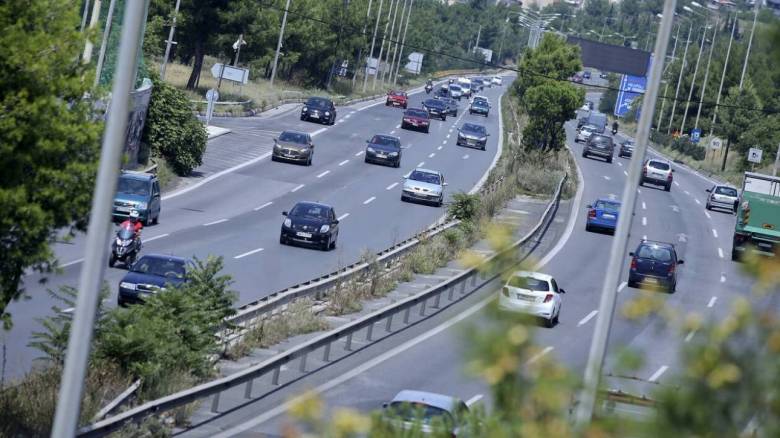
631	87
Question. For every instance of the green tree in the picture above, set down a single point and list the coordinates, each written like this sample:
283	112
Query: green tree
737	116
549	106
171	129
48	137
552	60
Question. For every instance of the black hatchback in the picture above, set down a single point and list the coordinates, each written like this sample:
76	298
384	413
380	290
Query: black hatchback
436	108
654	264
310	223
319	109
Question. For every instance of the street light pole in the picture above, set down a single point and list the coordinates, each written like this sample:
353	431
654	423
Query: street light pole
279	43
390	40
750	43
397	40
169	42
679	78
403	42
104	44
360	50
666	87
598	347
707	72
382	44
371	52
693	81
723	77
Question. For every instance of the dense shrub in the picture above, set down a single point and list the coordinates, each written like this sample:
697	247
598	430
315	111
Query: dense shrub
464	206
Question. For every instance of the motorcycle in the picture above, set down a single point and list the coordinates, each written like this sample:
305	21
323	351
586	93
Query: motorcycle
428	88
614	131
125	247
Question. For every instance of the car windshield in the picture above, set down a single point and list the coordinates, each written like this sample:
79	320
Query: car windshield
317	103
384	140
655	253
607	206
727	191
529	283
660	165
589	128
425	414
426	177
161	267
472	128
454	87
310	210
132	186
628	144
397	93
293	137
417	113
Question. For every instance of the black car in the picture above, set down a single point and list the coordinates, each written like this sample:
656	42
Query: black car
452	106
310	223
293	146
586	75
472	135
319	109
442	92
477	85
654	264
384	149
626	149
152	273
599	145
436	108
479	106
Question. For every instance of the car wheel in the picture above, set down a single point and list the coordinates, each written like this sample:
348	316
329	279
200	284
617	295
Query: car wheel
282	240
404	198
397	164
734	256
483	147
609	160
303	118
387	103
273	158
549	323
672	288
404	106
308	162
111	260
427	129
444	118
366	160
584	154
668	187
333	244
632	284
588	227
707	206
156	219
403	125
557	316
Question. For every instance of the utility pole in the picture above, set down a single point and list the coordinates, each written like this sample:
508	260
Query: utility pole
598	347
238	49
777	161
104	44
382	45
84	16
86	58
501	45
371	52
750	43
666	87
707	72
279	43
479	32
390	40
679	78
169	42
360	50
722	78
397	40
693	81
80	339
403	42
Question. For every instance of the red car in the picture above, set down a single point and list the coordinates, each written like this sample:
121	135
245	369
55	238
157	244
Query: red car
416	118
397	98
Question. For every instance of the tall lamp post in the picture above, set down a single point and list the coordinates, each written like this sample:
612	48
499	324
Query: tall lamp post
679	78
695	69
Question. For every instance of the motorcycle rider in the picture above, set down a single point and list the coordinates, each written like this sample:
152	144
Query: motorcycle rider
429	85
615	127
133	220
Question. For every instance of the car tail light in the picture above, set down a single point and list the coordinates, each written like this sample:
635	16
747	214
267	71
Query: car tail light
548	298
505	291
633	264
644	171
740	238
669	177
591	213
671	270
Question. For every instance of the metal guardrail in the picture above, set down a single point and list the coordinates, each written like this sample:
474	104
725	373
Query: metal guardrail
437	297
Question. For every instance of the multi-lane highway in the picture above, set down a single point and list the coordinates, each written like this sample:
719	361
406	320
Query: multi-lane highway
432	357
238	215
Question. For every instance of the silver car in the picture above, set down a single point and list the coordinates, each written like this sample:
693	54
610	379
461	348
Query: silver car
656	171
410	410
584	133
293	146
722	197
424	185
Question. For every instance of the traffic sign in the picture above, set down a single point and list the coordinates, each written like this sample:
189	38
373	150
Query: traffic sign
695	135
212	95
754	155
716	143
230	73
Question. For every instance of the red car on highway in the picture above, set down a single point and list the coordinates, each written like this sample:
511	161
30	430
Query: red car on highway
416	118
397	98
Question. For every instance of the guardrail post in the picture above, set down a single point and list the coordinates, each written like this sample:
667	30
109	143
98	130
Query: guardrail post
422	307
215	402
463	286
275	378
474	279
348	345
450	291
389	325
326	354
436	302
369	331
302	368
248	389
406	315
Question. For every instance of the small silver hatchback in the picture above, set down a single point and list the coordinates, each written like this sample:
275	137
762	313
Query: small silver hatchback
724	197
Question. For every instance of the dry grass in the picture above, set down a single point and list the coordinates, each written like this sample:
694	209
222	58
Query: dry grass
299	318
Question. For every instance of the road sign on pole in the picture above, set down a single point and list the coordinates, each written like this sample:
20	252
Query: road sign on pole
754	155
230	73
212	96
695	135
716	143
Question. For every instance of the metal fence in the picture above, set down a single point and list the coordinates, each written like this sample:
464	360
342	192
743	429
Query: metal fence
339	342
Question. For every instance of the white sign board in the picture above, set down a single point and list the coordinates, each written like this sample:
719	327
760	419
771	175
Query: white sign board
754	155
486	53
371	64
230	73
716	143
415	63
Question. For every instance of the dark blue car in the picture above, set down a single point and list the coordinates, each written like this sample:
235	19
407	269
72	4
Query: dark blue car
603	215
654	264
149	275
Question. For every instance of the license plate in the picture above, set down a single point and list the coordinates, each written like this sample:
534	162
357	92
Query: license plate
381	156
315	116
302	234
123	209
526	298
651	280
608	216
763	245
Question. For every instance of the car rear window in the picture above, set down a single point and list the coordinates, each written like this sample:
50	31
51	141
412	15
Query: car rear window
727	191
529	283
293	137
384	140
660	165
607	205
655	253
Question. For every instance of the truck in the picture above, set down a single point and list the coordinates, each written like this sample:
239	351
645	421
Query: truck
757	225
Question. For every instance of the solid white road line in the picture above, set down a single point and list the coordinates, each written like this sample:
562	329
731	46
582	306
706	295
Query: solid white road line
369	200
156	237
318	132
432	154
391	186
707	213
587	318
263	206
644	220
323	174
466	157
343	216
715	233
712	302
690	336
71	263
644	206
359	154
622	286
474	399
422	163
343	162
656	375
539	355
248	253
215	222
720	252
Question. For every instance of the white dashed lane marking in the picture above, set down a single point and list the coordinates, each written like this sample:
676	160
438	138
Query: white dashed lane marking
658	374
539	355
359	153
298	188
714	233
156	237
391	186
625	173
644	206
720	252
587	318
466	157
248	253
343	162
369	200
607	178
690	336
432	154
687	193
323	174
439	148
215	222
644	220
343	216
697	201
263	206
422	163
677	184
708	215
712	302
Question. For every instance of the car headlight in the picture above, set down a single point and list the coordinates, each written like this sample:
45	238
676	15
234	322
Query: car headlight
393	154
141	205
483	139
305	108
126	285
370	149
324	228
327	113
288	222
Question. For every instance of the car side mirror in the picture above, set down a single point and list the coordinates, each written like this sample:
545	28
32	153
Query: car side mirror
680	262
284	213
487	135
276	139
631	254
708	190
446	184
589	206
672	170
335	222
561	291
368	141
384	405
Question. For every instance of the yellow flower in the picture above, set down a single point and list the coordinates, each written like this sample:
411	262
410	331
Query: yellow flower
724	374
307	407
517	335
348	422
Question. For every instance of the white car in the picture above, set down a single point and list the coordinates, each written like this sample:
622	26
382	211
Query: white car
584	133
497	80
534	294
585	107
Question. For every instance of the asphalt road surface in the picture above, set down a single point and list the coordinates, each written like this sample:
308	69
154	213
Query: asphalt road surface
238	215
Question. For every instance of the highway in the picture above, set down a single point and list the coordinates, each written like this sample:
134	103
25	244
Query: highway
238	215
431	357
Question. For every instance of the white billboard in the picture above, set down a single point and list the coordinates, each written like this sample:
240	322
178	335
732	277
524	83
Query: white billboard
487	53
415	63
